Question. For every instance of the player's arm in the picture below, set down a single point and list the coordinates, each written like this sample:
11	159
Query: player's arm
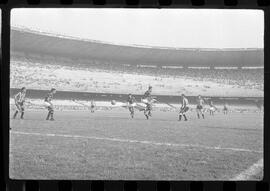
183	104
47	99
16	97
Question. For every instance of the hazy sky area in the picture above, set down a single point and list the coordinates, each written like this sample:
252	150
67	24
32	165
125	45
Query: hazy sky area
181	28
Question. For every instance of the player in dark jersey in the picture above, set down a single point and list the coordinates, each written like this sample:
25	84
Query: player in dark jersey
93	105
131	101
49	105
184	108
199	108
148	93
19	99
148	101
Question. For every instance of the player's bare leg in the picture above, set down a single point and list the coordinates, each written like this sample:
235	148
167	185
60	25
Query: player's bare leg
15	114
180	117
149	113
50	114
52	119
198	114
22	113
18	109
183	113
146	113
149	108
131	109
185	117
202	114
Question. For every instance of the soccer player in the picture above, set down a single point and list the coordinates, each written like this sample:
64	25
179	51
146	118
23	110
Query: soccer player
93	105
184	108
199	109
19	99
131	101
212	108
49	105
225	109
147	99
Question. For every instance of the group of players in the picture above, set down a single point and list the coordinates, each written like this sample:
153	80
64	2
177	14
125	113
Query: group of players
147	99
19	99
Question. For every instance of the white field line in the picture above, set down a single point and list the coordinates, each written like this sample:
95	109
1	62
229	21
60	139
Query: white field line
251	171
137	141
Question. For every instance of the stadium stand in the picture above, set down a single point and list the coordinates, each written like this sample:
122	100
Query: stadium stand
56	45
35	65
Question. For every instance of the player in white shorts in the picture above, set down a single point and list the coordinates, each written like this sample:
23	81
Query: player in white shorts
148	100
199	108
49	105
184	108
212	108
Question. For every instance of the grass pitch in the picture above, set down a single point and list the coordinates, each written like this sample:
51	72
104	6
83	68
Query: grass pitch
111	145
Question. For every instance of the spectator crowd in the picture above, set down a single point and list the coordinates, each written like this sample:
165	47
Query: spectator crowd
40	71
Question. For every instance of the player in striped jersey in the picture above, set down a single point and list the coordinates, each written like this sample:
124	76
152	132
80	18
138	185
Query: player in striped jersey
19	99
184	108
49	105
148	101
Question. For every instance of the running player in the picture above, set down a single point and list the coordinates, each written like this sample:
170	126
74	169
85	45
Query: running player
184	108
148	100
199	109
19	99
212	108
93	105
131	101
225	109
49	105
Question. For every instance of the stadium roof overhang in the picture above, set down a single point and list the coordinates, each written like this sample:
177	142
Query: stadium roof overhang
42	43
